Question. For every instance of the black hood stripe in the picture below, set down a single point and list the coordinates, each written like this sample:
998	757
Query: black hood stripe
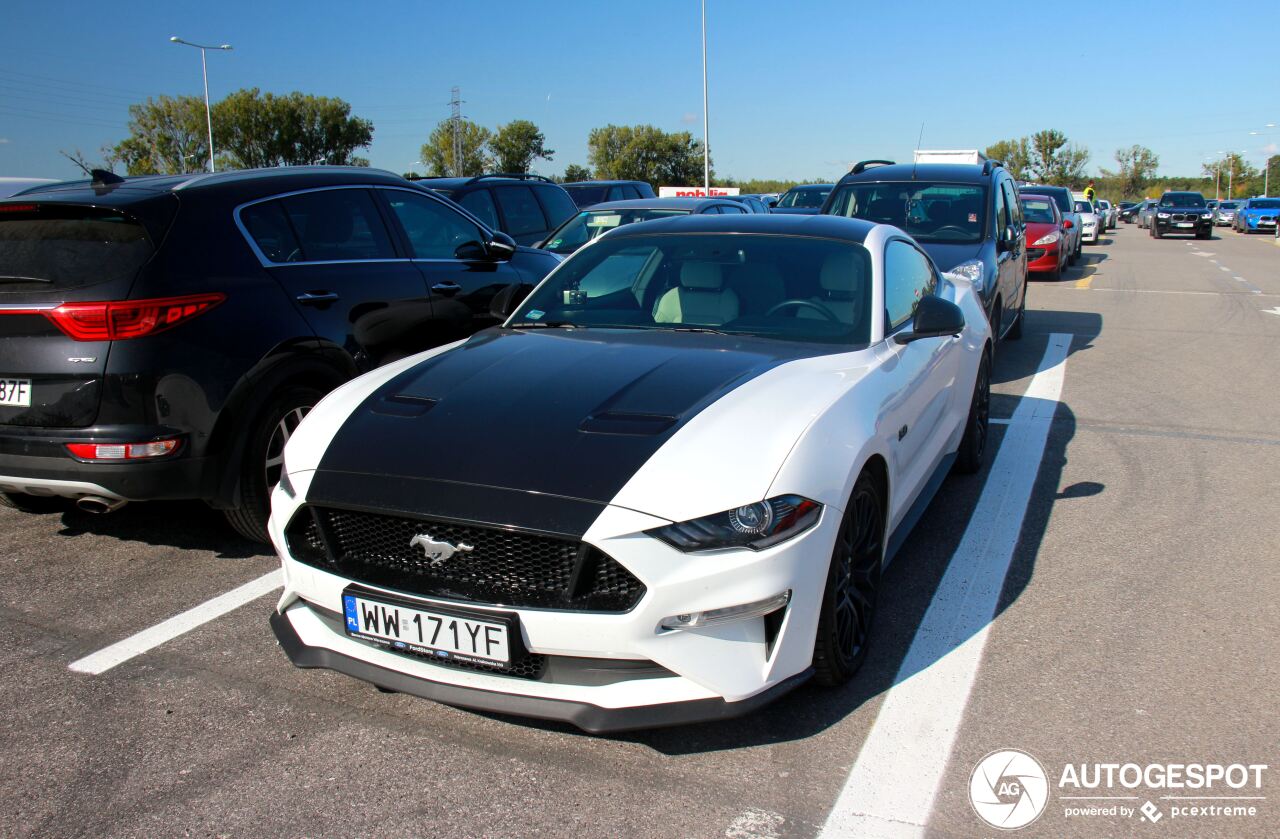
564	413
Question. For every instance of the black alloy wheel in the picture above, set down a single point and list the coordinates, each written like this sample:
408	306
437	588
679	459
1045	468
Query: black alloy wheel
264	460
973	445
853	583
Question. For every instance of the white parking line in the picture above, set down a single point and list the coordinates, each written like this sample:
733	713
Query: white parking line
892	786
148	639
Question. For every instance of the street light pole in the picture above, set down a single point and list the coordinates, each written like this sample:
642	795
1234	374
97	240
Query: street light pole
204	70
706	122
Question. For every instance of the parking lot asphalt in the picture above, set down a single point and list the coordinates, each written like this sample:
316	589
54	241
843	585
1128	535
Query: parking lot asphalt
1137	624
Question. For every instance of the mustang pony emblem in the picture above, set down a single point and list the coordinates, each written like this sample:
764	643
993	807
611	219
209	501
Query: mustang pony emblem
437	552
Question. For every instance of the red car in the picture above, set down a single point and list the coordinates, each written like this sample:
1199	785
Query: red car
1046	240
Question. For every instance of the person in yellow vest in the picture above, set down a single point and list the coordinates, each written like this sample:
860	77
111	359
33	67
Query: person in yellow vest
1091	193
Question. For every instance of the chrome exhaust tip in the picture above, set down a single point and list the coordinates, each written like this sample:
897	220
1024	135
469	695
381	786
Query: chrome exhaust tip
98	505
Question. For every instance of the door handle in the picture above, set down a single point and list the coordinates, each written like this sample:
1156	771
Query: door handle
317	298
450	288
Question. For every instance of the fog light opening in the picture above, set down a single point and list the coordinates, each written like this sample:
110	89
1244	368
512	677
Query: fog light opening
728	614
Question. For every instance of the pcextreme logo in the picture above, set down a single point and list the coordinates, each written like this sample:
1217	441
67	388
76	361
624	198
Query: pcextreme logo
1009	789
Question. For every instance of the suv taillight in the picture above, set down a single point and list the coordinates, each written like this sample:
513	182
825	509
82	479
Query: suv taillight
119	320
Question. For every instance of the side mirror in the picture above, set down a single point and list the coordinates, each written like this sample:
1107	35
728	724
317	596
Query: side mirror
934	318
506	301
470	251
501	246
1066	224
1007	239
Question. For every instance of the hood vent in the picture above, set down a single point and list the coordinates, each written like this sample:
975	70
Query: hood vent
619	422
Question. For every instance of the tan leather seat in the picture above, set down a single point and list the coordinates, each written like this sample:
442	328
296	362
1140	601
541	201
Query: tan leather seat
701	297
843	287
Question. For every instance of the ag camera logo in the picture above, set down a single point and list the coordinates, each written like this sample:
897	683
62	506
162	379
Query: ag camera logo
1008	789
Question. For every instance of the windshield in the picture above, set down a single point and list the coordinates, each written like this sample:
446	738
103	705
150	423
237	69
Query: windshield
1264	204
1038	210
931	212
1084	207
805	196
1059	196
1228	205
791	288
588	225
1182	199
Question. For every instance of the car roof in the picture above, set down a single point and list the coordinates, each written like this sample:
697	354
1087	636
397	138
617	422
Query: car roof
481	180
246	182
817	226
812	186
956	173
600	183
693	205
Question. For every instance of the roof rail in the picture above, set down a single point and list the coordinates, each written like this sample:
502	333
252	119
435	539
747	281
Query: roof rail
517	176
989	165
863	165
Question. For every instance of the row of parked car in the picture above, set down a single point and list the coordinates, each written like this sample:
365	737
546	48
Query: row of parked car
164	335
1246	215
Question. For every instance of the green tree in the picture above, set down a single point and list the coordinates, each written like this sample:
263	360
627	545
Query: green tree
1014	154
1234	172
1054	160
167	136
1138	166
437	152
517	144
573	173
296	129
645	153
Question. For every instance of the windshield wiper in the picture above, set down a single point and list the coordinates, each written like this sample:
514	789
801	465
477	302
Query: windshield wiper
12	279
705	329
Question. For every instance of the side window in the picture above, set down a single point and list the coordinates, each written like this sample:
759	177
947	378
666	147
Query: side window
1002	212
908	278
556	204
270	230
628	191
338	225
521	210
615	194
434	231
1015	207
480	205
731	211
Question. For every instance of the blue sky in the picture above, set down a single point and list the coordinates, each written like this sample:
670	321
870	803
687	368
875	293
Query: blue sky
798	89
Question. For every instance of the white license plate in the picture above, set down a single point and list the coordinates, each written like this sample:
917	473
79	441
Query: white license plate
16	392
1186	224
1265	223
426	631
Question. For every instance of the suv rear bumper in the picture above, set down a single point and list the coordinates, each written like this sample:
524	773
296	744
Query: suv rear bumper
34	461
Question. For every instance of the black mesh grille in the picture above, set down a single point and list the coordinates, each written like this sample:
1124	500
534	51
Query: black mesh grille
527	666
504	567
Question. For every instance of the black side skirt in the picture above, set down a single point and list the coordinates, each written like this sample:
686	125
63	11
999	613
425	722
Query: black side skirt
588	717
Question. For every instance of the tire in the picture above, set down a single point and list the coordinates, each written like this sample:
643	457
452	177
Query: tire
34	503
263	459
1073	256
1155	232
1015	330
848	603
1055	275
973	445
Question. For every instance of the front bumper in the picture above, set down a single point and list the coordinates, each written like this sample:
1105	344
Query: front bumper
707	673
1266	223
1172	225
1049	257
35	461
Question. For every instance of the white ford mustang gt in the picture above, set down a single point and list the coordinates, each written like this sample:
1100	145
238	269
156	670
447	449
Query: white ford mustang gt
662	491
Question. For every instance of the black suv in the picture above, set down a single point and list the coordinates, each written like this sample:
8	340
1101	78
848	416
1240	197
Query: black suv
587	193
525	207
161	337
968	217
1182	212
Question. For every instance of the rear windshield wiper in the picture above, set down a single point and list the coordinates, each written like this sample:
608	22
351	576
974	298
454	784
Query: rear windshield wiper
5	279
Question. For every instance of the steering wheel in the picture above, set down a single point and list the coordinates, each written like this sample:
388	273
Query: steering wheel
806	304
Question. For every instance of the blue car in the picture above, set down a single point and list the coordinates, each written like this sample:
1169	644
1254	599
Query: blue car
1257	214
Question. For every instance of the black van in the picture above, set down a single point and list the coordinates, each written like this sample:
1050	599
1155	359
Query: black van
161	337
525	207
967	217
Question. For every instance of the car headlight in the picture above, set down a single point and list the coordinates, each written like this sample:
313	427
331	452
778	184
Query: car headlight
972	270
1162	215
1047	240
755	526
1206	215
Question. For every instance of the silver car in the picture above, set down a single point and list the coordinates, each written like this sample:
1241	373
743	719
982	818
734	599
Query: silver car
1225	213
1147	212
